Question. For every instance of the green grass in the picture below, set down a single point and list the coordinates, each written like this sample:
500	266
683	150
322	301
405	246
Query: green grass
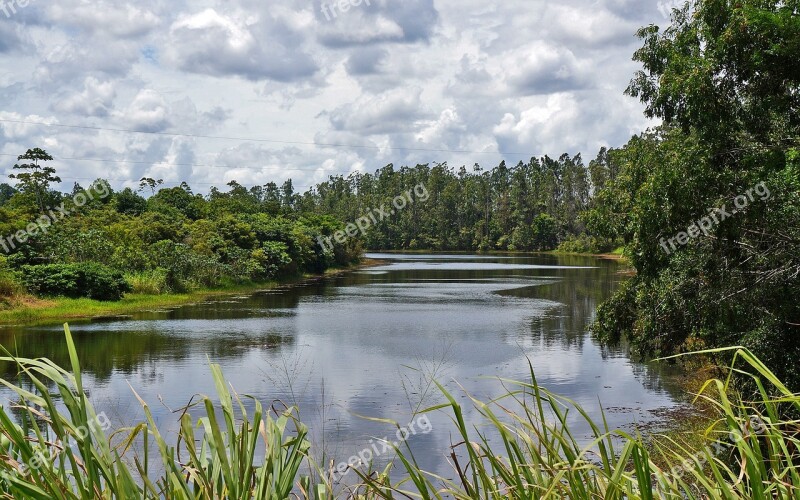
26	310
537	454
56	310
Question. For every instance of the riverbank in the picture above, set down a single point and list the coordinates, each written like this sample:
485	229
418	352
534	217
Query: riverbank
26	310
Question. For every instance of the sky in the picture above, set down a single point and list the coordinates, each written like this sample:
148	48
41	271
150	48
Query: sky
262	91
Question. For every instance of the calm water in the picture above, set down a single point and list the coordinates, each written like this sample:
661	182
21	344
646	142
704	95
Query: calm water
367	343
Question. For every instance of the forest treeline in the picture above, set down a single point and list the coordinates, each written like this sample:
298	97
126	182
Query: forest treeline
159	239
533	206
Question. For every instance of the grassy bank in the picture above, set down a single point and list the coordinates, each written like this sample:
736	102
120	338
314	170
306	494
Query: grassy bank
28	310
748	451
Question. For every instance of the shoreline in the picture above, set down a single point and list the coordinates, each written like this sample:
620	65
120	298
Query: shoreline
32	311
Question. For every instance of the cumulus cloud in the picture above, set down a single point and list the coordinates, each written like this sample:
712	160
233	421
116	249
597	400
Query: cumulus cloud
148	112
9	37
375	22
215	44
14	126
366	61
393	111
72	60
544	68
96	99
121	20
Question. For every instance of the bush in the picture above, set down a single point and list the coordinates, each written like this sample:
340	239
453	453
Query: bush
585	243
89	280
9	284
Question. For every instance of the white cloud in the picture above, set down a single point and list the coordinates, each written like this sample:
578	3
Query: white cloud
96	99
393	111
544	68
211	43
122	20
148	112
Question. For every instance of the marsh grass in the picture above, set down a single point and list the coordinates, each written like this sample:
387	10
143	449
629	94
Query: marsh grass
238	449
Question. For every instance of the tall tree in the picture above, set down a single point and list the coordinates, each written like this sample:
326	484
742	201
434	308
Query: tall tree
36	177
725	79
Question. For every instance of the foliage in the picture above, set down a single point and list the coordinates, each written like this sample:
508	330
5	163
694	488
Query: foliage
58	448
69	455
530	206
152	282
9	282
130	203
90	280
585	243
750	452
176	240
724	78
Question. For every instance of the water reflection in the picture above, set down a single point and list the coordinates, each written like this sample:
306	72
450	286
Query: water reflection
368	343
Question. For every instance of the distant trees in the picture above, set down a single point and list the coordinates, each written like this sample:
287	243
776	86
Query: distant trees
130	203
530	206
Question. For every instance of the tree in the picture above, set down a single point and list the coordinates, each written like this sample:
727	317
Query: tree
36	178
6	192
130	203
725	79
149	182
728	70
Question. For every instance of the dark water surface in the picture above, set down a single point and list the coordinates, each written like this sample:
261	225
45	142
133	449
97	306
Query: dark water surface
367	343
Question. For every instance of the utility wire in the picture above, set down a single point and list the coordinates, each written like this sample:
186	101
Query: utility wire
168	164
246	139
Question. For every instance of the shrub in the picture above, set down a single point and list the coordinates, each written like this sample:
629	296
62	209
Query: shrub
585	243
9	284
87	280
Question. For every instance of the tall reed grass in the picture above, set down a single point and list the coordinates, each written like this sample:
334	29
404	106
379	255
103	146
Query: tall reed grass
52	448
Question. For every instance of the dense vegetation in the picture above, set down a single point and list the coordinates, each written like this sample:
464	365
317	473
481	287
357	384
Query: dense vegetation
725	79
517	450
172	241
529	207
707	205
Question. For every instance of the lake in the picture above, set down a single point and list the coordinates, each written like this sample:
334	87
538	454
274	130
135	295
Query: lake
368	343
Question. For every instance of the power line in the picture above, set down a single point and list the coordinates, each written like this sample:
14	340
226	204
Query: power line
272	141
168	164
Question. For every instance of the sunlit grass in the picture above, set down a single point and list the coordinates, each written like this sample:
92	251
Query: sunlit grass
56	310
